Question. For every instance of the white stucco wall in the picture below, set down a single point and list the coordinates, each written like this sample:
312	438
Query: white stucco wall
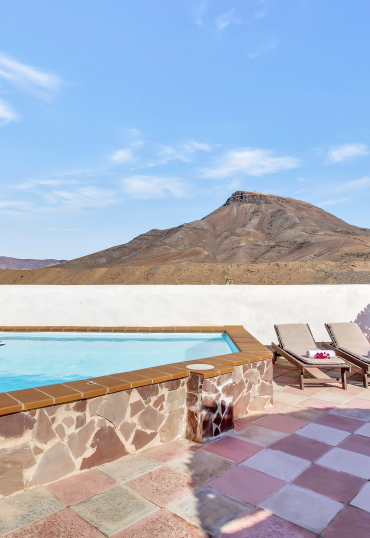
258	308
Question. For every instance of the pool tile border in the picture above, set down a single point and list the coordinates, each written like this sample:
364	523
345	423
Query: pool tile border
251	350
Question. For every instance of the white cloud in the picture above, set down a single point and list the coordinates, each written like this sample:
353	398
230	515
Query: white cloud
122	156
354	184
31	183
7	114
253	162
183	152
260	14
224	20
193	145
30	79
15	204
269	47
84	197
199	11
333	202
144	186
346	151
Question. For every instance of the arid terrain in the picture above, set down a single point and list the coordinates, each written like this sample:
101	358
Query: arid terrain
16	263
254	238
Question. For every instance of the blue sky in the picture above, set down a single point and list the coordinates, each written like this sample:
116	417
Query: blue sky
122	116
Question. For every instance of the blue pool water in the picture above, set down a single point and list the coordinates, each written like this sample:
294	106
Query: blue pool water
34	359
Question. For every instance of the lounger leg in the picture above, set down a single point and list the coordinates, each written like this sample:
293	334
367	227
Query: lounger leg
274	355
301	380
344	379
364	375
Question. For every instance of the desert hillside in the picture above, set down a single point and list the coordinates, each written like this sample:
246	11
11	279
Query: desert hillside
249	228
254	238
351	271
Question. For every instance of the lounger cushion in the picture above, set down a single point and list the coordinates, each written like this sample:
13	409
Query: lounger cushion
349	335
350	338
361	352
302	356
296	338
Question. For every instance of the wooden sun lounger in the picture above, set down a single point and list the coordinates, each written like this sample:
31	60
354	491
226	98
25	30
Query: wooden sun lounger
347	356
310	369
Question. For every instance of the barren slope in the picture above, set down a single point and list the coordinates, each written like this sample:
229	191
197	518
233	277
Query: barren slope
253	238
249	228
15	263
322	272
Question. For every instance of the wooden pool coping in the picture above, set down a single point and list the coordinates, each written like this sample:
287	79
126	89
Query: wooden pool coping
251	350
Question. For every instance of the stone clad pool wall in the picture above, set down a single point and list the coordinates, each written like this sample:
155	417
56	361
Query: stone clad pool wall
44	444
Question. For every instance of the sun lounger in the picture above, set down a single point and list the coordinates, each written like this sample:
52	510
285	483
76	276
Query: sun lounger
349	342
294	342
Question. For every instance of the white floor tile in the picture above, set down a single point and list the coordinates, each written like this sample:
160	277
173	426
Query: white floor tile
260	435
362	499
330	436
277	464
302	507
347	462
364	430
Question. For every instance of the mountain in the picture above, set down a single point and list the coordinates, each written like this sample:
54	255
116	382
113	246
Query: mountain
251	227
15	263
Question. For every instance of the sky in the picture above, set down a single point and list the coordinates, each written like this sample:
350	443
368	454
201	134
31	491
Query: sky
123	116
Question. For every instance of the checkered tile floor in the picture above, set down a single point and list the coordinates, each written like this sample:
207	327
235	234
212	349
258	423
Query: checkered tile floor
300	469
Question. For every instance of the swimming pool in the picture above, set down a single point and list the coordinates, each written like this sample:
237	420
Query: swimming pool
29	360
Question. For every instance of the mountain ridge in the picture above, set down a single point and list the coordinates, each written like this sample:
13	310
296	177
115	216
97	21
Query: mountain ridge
250	227
19	263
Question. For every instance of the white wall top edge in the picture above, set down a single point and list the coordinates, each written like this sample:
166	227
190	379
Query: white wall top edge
257	308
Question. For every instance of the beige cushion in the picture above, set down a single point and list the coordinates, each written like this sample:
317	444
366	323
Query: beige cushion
361	352
295	336
302	356
349	335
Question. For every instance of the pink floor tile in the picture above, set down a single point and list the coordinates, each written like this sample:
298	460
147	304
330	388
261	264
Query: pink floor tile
262	524
77	488
317	404
247	485
233	449
355	377
308	449
307	392
282	423
303	413
286	380
341	487
351	389
161	524
350	523
358	403
64	524
279	370
162	486
340	423
240	424
357	443
276	407
170	451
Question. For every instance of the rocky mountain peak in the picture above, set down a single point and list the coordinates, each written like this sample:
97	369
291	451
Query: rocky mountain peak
256	198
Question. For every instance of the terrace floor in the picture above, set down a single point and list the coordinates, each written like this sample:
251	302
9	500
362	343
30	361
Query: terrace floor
299	469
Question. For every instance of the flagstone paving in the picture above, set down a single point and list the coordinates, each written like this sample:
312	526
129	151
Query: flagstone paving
299	469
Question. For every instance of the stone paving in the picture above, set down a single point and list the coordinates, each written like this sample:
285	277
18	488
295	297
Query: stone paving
299	469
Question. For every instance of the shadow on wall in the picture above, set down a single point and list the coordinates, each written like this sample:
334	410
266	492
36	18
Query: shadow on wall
363	319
